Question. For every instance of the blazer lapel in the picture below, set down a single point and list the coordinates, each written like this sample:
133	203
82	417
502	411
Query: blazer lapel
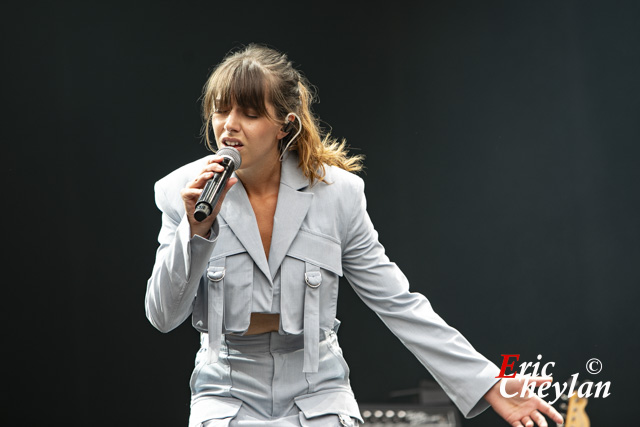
238	213
291	210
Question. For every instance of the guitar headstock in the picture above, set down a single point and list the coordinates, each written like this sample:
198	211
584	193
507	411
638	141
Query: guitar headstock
572	409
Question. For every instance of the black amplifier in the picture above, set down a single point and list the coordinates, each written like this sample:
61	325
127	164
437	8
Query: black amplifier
425	406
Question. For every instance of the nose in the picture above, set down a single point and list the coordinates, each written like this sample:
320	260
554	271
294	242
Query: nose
232	124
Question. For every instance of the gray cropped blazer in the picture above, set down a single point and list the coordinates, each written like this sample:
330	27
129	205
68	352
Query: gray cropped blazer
320	233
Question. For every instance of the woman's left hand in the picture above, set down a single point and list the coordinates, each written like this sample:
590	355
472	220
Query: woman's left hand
521	411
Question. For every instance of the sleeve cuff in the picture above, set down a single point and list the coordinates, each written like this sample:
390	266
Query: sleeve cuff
197	249
213	234
486	383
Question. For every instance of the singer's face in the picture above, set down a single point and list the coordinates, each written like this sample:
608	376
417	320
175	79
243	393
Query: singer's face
255	137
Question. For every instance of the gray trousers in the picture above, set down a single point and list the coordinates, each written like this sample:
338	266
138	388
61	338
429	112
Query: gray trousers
258	381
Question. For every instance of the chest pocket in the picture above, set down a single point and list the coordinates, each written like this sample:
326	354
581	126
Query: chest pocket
237	284
309	281
225	292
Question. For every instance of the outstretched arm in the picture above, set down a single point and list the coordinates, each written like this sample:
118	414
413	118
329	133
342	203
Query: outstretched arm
463	373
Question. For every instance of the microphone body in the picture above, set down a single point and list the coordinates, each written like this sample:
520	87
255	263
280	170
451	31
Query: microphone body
213	188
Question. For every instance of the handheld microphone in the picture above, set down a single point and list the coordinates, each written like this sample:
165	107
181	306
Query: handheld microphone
213	188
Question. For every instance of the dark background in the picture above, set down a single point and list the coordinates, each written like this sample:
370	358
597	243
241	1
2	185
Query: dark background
502	175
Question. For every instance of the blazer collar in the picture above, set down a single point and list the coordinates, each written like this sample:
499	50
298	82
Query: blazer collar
291	209
290	174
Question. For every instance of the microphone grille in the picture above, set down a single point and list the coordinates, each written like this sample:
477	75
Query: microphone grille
231	153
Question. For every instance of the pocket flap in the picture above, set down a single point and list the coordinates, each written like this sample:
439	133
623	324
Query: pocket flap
214	408
318	250
337	402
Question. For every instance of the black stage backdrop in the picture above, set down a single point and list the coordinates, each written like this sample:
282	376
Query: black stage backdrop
502	175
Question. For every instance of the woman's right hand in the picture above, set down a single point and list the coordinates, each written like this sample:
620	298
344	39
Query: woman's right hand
191	193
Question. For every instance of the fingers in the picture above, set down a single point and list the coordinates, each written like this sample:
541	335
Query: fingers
200	181
539	419
207	172
544	407
189	193
193	189
536	419
213	160
212	166
551	412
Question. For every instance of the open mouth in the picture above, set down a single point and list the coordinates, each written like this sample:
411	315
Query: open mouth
232	143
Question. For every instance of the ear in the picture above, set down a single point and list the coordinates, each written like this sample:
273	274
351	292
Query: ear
281	134
287	126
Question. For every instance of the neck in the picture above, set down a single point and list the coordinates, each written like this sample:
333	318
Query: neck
261	182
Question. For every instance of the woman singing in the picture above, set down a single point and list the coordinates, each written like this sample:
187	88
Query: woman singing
259	276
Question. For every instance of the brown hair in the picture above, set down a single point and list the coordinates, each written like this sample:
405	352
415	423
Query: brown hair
255	74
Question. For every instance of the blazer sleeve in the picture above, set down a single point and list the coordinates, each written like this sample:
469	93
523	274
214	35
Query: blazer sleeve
463	373
179	266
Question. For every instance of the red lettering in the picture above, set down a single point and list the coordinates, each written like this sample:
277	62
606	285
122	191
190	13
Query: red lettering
506	364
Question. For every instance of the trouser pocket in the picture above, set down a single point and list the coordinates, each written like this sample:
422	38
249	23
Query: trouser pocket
333	371
211	379
214	411
328	409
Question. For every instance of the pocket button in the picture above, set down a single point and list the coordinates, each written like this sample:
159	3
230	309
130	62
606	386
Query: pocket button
216	275
346	421
313	278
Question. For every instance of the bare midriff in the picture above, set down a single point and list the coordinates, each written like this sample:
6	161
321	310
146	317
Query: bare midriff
262	323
